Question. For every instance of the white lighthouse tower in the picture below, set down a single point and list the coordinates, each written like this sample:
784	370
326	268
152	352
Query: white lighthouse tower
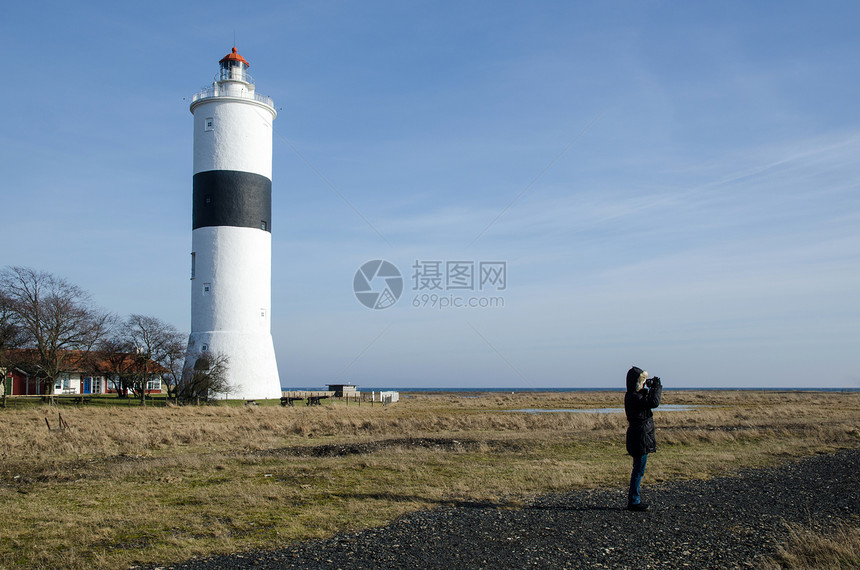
231	258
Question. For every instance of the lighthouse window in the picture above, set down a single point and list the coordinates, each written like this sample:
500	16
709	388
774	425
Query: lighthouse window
207	287
208	124
263	225
193	265
263	313
208	199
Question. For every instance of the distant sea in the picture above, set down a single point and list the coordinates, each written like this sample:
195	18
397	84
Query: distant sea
602	389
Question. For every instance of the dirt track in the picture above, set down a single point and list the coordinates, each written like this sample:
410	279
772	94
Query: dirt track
727	522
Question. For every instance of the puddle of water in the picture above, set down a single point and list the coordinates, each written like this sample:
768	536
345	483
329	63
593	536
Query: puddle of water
664	408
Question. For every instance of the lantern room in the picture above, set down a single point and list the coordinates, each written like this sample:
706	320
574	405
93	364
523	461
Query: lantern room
234	67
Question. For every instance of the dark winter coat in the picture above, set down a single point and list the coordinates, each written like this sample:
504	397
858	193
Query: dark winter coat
638	406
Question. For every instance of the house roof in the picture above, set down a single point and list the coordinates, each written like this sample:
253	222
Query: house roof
79	361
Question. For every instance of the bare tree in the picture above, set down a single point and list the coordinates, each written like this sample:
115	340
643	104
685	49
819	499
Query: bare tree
59	319
110	360
11	334
174	362
155	343
141	349
11	337
206	379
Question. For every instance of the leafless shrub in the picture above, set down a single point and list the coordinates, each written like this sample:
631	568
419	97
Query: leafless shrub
205	379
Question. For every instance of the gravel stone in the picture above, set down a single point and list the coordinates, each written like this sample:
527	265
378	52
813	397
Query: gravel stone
724	522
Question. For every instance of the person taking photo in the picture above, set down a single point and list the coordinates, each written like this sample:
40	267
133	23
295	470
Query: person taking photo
643	395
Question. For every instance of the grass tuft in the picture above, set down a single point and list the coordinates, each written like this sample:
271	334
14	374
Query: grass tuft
831	549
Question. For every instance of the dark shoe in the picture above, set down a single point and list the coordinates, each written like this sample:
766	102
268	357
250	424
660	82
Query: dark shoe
637	507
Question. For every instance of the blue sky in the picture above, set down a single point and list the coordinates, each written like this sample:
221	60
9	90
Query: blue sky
670	184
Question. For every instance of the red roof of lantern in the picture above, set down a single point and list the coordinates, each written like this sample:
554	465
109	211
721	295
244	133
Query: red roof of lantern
234	56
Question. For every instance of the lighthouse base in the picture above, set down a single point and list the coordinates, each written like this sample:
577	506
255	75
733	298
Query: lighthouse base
251	368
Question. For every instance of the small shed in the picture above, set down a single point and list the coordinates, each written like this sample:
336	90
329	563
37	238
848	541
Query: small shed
389	396
343	390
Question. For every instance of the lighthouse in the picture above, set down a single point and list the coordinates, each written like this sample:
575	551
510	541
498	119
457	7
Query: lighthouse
231	238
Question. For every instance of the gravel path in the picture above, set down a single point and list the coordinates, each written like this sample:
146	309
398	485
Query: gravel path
727	522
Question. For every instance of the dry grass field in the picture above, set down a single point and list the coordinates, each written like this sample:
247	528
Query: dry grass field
127	485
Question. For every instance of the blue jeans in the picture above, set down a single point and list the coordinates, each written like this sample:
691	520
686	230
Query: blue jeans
636	478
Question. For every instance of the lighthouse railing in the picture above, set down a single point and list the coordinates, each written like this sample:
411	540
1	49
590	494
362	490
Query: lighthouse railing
208	92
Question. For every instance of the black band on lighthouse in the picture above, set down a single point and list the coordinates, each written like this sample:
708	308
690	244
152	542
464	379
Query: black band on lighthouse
232	198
